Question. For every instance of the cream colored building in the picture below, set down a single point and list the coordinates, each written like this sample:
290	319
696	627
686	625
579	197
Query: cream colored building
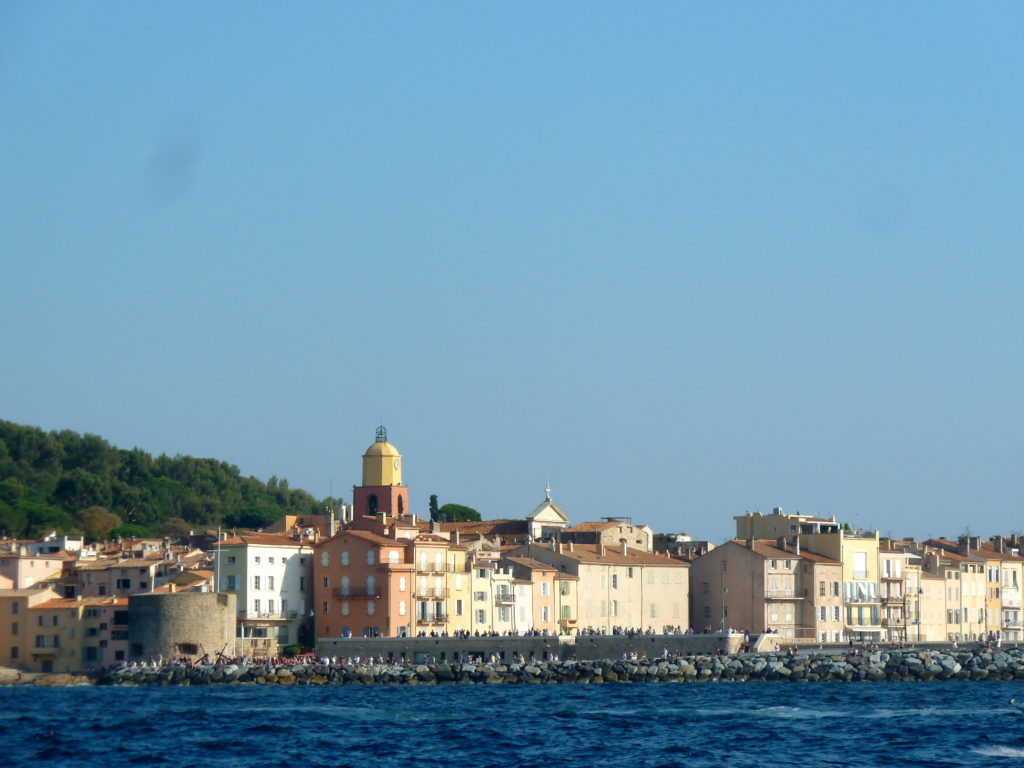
271	576
620	588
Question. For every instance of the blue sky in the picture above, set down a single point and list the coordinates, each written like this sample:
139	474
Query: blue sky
680	260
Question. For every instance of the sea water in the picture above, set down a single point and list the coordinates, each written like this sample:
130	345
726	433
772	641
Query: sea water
557	726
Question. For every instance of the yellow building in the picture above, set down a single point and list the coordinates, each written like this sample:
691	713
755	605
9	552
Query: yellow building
964	576
620	588
858	552
17	635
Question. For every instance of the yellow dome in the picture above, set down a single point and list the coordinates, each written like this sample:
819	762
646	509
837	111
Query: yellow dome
382	449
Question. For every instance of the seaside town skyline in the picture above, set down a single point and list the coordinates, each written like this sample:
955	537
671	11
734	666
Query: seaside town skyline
372	570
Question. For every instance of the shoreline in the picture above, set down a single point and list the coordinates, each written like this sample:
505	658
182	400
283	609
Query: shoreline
813	666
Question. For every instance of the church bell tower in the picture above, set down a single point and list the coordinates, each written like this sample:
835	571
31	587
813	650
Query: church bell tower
381	489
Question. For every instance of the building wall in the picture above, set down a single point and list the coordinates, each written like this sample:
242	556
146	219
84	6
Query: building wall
17	635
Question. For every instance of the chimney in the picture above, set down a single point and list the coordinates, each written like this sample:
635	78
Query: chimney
781	543
796	545
435	527
622	549
600	549
553	546
961	545
171	587
456	537
413	519
998	541
559	547
570	545
974	542
750	543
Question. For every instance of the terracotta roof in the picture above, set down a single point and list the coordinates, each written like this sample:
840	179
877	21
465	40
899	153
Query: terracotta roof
71	602
601	526
588	553
486	527
375	538
263	540
533	565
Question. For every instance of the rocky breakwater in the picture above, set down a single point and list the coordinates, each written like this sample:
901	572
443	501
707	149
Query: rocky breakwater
895	665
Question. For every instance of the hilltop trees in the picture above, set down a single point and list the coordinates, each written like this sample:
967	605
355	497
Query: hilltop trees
57	480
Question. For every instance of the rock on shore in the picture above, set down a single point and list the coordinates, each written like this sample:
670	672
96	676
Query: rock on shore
907	665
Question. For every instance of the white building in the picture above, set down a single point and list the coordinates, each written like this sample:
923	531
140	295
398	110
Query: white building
272	576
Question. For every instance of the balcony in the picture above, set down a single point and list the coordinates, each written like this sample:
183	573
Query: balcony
432	593
355	593
1011	622
433	568
433	618
269	615
892	599
781	594
504	597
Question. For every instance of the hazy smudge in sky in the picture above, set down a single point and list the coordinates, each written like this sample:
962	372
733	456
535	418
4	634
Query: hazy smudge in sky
173	166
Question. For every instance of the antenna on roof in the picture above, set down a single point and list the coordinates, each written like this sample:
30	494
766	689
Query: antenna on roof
547	491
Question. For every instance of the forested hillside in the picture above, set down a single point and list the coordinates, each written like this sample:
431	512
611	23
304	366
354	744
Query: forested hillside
80	483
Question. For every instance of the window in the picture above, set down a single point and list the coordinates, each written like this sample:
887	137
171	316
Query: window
344	557
371	557
836	616
650	576
835	589
401	583
14	607
14	627
256	559
371	607
629	572
371	585
14	652
270	560
256	605
458	607
401	607
707	611
101	590
231	559
344	608
545	589
545	613
124	583
393	556
563	588
775	564
481	616
344	585
270	607
679	576
325	559
566	612
789	564
821	588
232	582
615	581
675	610
270	582
823	613
326	583
654	611
302	583
255	582
479	596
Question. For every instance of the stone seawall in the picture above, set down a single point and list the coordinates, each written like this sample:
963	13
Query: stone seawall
814	667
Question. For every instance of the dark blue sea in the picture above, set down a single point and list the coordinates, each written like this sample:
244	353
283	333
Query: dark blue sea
555	726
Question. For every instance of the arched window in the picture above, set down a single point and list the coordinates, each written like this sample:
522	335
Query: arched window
401	505
344	585
371	557
371	504
344	557
371	585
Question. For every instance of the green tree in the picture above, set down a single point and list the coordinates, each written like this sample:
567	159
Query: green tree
96	523
433	507
457	513
12	521
175	528
42	518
